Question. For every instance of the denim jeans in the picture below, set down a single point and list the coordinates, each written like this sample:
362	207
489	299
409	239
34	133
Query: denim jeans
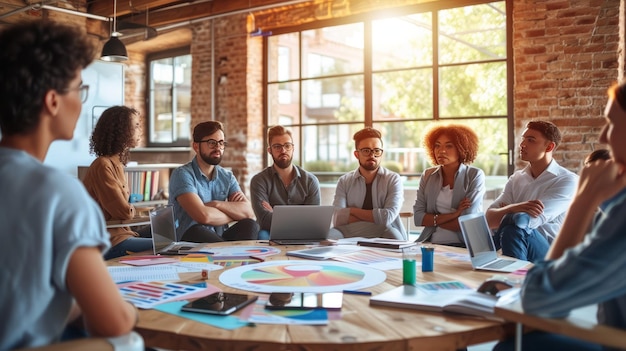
518	240
129	245
245	229
541	341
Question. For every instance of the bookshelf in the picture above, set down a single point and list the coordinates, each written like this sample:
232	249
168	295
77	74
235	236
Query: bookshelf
145	182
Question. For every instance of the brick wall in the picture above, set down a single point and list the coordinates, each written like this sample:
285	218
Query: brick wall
566	55
238	90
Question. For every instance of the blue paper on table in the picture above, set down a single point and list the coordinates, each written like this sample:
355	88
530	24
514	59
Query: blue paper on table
224	322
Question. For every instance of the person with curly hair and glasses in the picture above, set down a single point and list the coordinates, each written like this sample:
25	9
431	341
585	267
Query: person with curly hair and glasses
116	132
450	189
53	231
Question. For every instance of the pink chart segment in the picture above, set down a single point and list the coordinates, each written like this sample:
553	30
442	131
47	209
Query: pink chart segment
301	276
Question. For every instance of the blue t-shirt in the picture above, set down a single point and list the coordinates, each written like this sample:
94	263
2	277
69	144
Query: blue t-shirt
190	179
45	215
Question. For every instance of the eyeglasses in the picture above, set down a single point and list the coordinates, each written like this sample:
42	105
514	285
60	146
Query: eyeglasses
280	147
367	151
214	143
83	90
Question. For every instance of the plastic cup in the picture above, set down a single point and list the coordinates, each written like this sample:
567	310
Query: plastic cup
428	258
409	272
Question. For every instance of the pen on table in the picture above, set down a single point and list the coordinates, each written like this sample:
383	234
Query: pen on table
260	259
357	292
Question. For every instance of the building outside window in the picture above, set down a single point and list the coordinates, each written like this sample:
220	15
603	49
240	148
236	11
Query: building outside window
170	98
398	74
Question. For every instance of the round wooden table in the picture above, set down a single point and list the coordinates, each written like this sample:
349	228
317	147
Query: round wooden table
361	326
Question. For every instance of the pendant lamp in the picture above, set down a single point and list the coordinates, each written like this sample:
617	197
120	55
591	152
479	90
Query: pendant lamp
114	50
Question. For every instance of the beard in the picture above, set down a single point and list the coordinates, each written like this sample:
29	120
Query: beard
210	159
368	166
282	163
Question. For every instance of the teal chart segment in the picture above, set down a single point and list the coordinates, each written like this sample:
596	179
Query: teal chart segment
301	276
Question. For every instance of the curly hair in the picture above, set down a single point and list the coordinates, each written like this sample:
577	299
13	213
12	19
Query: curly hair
36	57
114	133
463	137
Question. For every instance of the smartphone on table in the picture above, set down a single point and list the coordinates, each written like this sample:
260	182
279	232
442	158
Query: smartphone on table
305	301
220	303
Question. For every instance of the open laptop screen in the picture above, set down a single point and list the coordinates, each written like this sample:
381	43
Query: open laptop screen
477	236
163	228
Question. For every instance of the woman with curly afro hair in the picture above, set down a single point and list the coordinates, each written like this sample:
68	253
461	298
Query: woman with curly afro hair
116	132
452	187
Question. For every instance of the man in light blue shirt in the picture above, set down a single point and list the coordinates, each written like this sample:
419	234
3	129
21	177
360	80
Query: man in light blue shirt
207	197
369	197
529	212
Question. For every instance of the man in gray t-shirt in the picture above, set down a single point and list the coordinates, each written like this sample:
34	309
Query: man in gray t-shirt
282	183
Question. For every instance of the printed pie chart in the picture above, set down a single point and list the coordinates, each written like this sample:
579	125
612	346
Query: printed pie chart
301	276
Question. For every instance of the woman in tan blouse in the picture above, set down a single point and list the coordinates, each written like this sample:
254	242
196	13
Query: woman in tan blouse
116	132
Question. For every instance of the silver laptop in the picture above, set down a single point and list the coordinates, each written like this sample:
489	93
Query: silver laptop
164	241
481	248
300	224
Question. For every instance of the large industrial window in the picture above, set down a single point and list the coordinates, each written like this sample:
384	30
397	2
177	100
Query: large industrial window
398	74
170	98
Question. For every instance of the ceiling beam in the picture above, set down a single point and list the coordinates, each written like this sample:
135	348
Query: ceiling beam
177	13
105	7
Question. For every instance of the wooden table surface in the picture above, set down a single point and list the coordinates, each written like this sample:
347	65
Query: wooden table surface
580	324
361	326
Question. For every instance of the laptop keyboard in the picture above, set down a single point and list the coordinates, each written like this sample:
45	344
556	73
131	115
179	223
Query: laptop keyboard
499	264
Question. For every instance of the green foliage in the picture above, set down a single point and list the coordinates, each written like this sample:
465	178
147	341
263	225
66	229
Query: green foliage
393	166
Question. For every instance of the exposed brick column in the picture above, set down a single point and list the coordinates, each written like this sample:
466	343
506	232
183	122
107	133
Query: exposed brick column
238	90
565	57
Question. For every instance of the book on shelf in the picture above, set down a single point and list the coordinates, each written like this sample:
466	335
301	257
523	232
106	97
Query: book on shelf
457	300
383	243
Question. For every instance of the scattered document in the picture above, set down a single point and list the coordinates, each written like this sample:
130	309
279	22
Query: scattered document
463	301
259	314
145	274
149	294
372	259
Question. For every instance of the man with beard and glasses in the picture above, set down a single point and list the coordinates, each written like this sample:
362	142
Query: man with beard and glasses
529	212
207	197
369	197
283	183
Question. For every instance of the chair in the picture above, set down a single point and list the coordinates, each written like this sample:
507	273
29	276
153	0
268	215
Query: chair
128	342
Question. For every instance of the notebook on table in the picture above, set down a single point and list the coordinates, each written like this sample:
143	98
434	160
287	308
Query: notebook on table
300	224
482	251
164	241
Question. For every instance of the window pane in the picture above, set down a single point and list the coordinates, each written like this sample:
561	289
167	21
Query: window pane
473	90
472	33
329	148
333	99
182	83
283	51
283	103
161	99
404	149
403	95
332	50
170	100
411	49
403	146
